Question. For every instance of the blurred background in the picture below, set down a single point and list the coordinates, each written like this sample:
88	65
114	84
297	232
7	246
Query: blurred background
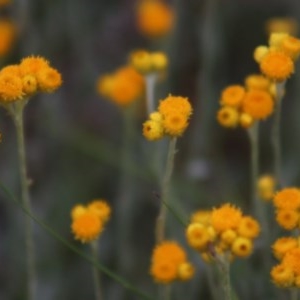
79	146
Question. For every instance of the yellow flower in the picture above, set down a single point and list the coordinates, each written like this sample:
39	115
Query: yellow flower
258	104
259	53
29	84
257	82
156	116
202	217
166	259
154	18
292	260
175	104
87	226
291	47
159	61
153	130
141	61
233	96
228	236
242	247
77	210
283	245
287	198
185	271
248	228
101	209
175	124
246	120
225	217
7	36
277	66
105	84
32	65
49	79
228	117
266	187
13	70
11	88
288	25
276	39
282	276
288	219
197	236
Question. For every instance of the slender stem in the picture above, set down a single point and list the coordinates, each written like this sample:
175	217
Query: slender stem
166	292
96	274
224	266
16	112
150	80
161	219
276	133
293	293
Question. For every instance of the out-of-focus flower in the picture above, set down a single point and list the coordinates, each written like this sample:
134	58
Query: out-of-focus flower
7	36
287	25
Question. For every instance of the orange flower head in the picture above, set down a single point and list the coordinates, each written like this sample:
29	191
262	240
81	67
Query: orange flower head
7	36
282	276
288	219
226	217
11	70
11	88
175	104
154	18
105	84
233	96
197	236
175	124
228	236
185	271
202	217
32	65
257	82
291	47
153	130
101	208
283	245
277	66
242	247
163	271
87	227
29	84
248	228
228	117
287	198
49	79
258	104
292	260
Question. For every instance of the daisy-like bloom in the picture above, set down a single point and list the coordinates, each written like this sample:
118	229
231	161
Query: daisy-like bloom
185	271
175	104
165	261
288	219
228	116
277	66
87	226
291	47
233	96
77	210
197	236
246	120
242	247
260	52
11	70
11	88
228	236
175	124
202	217
258	104
154	18
288	25
292	260
266	187
257	82
283	245
248	228
153	130
282	276
101	208
32	65
8	35
48	79
226	217
287	198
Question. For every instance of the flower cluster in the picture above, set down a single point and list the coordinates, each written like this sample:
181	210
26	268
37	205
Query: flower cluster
154	18
123	86
169	263
88	221
287	204
243	105
148	62
223	232
286	274
277	59
171	118
32	75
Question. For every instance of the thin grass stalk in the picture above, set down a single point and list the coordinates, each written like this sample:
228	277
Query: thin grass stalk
161	219
16	111
96	274
150	80
224	267
276	133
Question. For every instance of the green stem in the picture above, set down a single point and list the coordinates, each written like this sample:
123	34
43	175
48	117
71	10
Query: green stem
96	274
16	111
224	266
82	254
276	133
293	293
150	80
161	219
